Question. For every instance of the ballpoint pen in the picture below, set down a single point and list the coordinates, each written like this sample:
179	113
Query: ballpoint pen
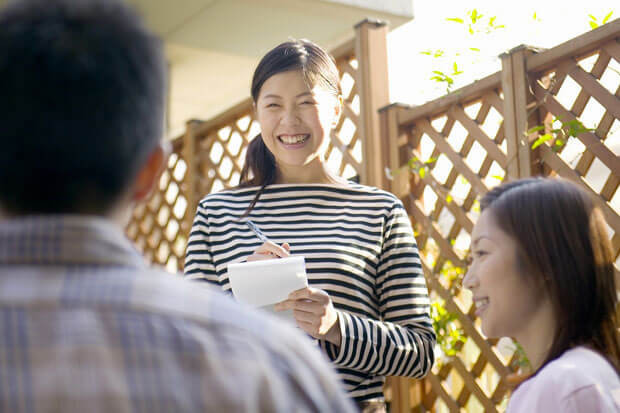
256	231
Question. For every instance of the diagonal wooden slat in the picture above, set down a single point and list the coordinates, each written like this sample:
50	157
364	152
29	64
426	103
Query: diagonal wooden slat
558	165
589	139
613	48
474	129
441	392
594	88
456	160
471	384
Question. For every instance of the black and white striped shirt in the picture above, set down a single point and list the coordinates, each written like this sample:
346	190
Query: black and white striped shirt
358	246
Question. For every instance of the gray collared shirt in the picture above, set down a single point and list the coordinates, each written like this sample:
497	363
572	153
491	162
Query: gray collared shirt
85	325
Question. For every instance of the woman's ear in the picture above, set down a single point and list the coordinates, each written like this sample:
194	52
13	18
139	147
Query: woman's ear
337	110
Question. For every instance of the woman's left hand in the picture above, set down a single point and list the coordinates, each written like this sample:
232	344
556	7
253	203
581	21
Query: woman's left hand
314	313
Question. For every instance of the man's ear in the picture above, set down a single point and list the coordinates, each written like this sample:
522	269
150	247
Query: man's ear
149	175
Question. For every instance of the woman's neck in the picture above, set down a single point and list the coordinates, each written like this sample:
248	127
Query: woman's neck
316	173
537	337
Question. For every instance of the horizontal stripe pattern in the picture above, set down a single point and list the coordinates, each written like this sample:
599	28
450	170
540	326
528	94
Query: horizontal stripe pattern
359	247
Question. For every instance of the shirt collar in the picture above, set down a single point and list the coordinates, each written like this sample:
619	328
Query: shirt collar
65	240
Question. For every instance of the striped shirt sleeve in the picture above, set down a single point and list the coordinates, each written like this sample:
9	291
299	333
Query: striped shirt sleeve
402	342
198	259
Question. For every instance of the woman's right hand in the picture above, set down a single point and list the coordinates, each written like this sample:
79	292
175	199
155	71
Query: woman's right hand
270	250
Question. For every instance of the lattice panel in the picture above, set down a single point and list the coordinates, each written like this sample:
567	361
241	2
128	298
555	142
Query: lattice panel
221	152
460	154
344	153
159	226
585	90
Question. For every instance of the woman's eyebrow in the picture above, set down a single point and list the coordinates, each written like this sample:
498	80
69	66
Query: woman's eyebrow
273	95
481	237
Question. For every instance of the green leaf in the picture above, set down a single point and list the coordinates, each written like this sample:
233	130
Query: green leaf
471	31
449	200
592	17
606	19
534	17
426	52
499	178
575	128
593	25
544	138
422	172
557	147
455	19
455	69
430	161
475	16
535	129
474	49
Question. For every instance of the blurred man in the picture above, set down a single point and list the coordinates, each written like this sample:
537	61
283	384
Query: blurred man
85	326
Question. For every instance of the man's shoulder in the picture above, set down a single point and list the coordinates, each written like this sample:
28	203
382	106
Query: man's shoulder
160	292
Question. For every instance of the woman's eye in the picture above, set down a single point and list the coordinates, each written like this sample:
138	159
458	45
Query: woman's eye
308	102
272	105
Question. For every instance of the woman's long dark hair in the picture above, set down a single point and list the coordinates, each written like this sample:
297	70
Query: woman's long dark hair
562	240
318	69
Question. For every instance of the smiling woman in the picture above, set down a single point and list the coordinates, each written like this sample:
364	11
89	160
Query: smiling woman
367	302
542	272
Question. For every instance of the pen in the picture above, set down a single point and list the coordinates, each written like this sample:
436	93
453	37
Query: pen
256	231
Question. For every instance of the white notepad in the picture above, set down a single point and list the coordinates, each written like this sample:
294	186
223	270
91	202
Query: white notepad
267	282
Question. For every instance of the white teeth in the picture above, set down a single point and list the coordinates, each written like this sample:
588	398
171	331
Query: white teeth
293	139
482	302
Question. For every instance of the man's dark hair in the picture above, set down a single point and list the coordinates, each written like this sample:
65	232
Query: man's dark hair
82	106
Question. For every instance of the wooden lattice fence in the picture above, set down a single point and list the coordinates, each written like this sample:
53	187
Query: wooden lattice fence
159	226
471	140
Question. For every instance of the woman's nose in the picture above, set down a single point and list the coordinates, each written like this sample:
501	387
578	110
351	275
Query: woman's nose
469	281
290	117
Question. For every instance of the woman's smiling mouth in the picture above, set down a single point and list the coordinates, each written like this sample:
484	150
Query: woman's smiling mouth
481	305
296	139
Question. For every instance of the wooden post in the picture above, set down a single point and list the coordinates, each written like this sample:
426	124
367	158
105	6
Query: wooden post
373	87
398	180
515	86
190	187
